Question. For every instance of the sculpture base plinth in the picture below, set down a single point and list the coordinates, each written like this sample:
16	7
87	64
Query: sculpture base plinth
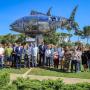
39	39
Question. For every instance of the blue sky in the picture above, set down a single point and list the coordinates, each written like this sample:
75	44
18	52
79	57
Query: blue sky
10	10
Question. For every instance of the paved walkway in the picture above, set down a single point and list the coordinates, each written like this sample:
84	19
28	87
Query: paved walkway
38	77
26	73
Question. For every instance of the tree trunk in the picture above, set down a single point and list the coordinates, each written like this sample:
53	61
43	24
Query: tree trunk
69	37
78	38
87	40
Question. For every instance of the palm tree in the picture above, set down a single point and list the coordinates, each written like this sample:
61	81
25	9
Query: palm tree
79	33
51	38
86	32
69	29
71	24
72	16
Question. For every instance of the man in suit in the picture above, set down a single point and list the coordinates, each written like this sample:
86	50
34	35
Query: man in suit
14	55
42	49
88	61
19	51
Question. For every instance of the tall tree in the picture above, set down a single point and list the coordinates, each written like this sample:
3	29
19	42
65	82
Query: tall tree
51	38
21	38
8	38
72	16
71	24
79	33
86	32
68	27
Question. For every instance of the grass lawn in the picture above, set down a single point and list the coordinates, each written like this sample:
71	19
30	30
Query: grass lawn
13	70
58	73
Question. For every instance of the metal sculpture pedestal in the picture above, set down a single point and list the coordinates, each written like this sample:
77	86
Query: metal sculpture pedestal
39	39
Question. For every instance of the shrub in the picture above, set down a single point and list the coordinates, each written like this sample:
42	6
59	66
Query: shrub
54	84
10	87
27	84
4	78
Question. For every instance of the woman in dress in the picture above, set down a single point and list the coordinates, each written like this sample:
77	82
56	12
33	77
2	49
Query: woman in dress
67	57
56	58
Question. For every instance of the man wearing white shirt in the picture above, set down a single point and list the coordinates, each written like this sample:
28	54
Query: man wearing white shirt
1	56
48	55
79	53
74	61
61	56
34	52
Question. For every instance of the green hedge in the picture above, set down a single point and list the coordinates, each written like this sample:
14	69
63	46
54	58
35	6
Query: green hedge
4	79
27	84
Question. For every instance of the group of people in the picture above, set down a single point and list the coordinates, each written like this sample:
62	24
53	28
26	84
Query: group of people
30	55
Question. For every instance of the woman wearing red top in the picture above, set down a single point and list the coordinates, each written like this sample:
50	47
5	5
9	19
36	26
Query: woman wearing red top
56	59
